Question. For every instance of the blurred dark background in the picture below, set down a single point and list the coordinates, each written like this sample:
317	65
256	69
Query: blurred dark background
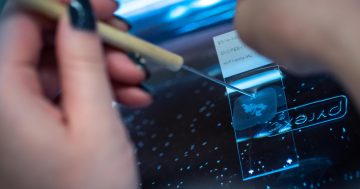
2	3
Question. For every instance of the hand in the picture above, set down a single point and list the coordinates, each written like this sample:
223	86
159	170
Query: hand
126	76
301	35
306	36
82	142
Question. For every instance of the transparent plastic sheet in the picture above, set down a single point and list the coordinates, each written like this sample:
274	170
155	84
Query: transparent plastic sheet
258	123
261	122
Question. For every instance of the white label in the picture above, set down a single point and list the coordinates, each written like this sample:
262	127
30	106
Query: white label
235	57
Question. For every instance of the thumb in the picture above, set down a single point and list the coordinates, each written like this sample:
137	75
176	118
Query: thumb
86	87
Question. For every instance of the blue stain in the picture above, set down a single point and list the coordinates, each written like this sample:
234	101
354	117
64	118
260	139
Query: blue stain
254	109
250	111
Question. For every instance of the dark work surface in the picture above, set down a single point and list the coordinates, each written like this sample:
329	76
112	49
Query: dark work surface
185	139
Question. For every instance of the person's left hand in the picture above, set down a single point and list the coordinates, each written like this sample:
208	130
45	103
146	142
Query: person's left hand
126	75
80	142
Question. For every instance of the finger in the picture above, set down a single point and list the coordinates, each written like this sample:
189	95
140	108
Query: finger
86	89
246	20
278	41
105	8
19	53
133	97
48	69
123	70
120	23
20	50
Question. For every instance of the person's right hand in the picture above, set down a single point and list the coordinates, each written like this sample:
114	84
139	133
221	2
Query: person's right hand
302	35
306	36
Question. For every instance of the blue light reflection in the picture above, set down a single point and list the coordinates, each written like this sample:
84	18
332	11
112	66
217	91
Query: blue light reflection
158	20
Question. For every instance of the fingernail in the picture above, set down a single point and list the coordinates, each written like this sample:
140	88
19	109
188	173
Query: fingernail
82	16
140	63
145	70
122	19
147	89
